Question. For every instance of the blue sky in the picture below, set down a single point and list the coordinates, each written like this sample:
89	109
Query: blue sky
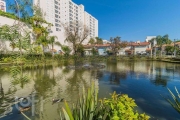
135	19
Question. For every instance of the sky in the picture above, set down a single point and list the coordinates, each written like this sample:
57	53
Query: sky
133	20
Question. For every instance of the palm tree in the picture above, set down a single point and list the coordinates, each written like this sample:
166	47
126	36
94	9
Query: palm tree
43	40
159	40
162	40
52	41
66	50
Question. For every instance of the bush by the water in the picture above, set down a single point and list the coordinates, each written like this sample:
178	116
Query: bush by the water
118	107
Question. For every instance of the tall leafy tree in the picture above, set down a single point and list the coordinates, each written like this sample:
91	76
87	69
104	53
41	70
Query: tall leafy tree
99	40
92	41
40	31
161	40
169	49
52	41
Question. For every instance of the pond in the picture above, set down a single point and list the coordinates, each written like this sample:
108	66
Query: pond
144	81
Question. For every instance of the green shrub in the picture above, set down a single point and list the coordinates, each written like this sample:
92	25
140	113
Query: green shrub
118	107
121	107
7	59
8	15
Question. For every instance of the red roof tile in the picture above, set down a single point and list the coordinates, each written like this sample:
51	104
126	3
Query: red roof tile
148	49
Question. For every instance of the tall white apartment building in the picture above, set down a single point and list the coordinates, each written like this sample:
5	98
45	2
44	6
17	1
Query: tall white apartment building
3	5
66	11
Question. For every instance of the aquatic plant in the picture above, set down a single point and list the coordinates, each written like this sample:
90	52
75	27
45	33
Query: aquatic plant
175	103
118	107
84	109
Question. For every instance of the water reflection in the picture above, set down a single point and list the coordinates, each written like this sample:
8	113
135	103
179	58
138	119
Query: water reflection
159	79
44	81
6	100
144	81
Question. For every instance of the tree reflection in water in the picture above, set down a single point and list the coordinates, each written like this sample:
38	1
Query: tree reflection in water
6	99
115	75
159	78
44	81
18	76
76	79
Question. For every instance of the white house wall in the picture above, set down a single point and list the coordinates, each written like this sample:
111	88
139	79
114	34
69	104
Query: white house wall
7	21
140	49
3	5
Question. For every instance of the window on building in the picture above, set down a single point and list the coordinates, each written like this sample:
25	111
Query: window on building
57	29
56	20
56	11
56	16
56	7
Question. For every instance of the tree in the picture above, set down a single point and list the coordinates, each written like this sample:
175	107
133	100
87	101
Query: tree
75	34
161	40
66	50
43	41
25	8
99	40
115	44
152	45
169	49
52	41
17	39
40	31
92	41
94	51
80	50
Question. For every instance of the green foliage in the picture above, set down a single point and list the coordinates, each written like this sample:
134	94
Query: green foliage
8	15
121	107
91	41
118	107
7	59
117	44
169	49
84	109
37	50
175	103
18	77
94	51
66	50
99	40
80	50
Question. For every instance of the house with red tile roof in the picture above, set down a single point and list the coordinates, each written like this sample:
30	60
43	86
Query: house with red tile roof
137	48
132	48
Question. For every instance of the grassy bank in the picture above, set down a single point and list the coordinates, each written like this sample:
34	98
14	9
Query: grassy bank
30	60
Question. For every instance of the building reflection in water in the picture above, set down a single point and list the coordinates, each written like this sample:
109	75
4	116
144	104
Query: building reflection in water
59	82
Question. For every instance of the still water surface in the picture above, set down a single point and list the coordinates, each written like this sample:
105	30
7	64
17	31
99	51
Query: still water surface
143	81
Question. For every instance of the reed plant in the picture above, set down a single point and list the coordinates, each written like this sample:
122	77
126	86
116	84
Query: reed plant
88	107
175	103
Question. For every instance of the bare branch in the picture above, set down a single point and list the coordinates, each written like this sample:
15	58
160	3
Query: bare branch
75	33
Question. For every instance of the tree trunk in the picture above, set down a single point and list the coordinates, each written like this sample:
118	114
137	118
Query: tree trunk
20	49
151	53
